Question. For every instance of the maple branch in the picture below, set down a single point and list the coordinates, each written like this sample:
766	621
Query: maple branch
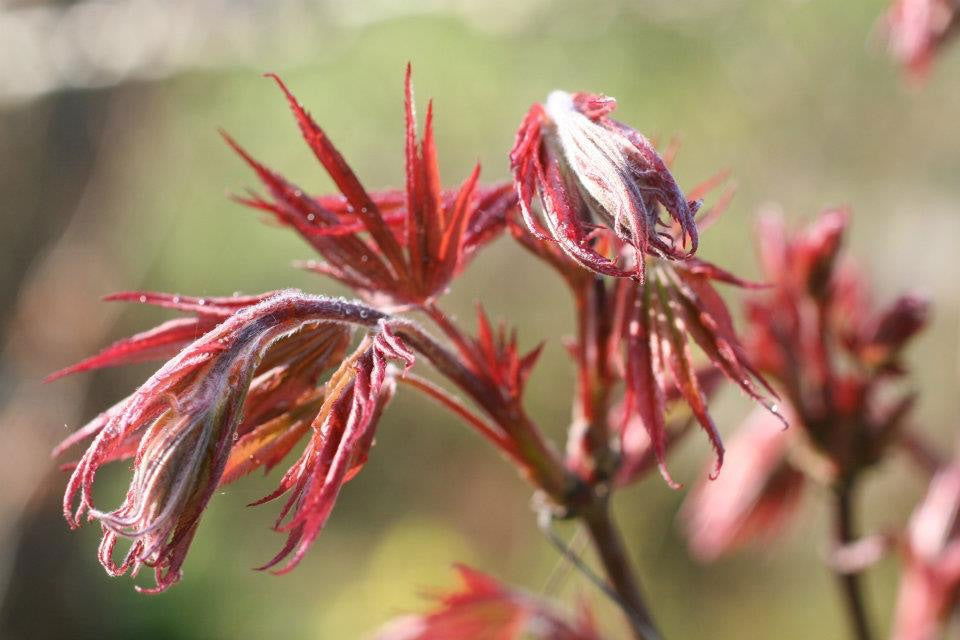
616	563
850	585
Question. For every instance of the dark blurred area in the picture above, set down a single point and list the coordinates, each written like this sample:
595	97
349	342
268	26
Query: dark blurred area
113	177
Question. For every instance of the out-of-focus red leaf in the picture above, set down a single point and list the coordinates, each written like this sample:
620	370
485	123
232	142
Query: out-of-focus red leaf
485	609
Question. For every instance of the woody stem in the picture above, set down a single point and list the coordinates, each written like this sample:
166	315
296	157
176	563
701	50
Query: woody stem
545	467
850	584
616	564
591	433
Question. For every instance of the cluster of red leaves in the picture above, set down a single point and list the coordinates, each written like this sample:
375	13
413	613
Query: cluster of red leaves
486	609
242	386
814	334
237	397
930	585
244	383
916	30
639	327
345	426
656	323
494	355
589	170
418	239
832	355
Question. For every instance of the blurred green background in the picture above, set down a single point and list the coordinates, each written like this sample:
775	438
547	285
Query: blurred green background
113	177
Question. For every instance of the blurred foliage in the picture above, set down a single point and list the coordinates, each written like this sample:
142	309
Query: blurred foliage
791	95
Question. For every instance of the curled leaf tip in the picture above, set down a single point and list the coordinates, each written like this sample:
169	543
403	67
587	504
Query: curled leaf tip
665	473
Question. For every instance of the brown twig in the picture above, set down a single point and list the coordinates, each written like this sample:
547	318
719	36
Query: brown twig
851	588
547	471
616	564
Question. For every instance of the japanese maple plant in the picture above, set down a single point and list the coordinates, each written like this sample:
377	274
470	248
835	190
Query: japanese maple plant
248	380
